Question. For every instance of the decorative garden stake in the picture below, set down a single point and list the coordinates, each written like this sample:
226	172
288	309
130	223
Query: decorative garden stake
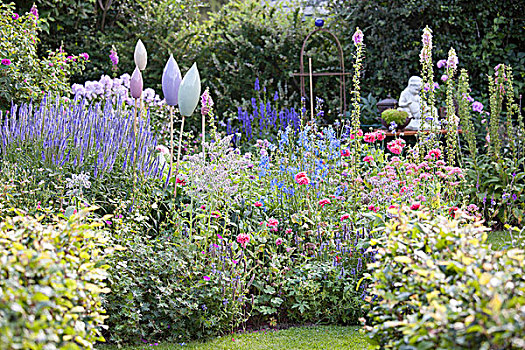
135	87
141	59
189	93
171	79
141	55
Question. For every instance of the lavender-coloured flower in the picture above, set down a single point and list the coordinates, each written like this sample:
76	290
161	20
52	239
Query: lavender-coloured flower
257	87
444	77
477	107
34	11
393	126
206	102
358	37
441	63
453	60
427	37
113	56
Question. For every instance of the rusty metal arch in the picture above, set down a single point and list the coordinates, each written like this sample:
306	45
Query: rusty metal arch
342	74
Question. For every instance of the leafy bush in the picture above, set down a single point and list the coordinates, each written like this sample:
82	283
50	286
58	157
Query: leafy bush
51	280
436	285
393	37
96	26
23	74
171	287
393	115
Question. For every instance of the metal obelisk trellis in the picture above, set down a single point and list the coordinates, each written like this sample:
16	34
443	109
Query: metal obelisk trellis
342	73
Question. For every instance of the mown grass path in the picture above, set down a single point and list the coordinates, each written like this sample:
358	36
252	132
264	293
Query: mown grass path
307	338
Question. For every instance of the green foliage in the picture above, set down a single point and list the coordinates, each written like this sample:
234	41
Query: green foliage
93	26
393	115
498	189
246	40
495	169
51	280
392	32
160	291
30	76
429	272
320	292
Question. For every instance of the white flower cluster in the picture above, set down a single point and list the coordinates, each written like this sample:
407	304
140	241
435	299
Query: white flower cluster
77	183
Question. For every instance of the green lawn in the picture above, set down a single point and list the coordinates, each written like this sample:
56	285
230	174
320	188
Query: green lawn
311	338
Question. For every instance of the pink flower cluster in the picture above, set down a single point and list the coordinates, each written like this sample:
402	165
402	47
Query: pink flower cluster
272	223
301	178
396	146
243	239
373	208
371	137
433	154
345	217
359	133
324	202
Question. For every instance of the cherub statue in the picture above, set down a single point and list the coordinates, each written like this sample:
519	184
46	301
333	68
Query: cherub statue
410	102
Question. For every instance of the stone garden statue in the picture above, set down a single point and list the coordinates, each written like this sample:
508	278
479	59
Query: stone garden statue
410	102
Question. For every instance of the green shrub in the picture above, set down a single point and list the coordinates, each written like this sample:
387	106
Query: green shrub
393	115
27	76
51	279
438	286
171	288
392	32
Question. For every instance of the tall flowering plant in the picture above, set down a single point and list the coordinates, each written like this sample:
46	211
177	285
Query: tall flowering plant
358	39
428	101
84	138
264	117
464	101
452	117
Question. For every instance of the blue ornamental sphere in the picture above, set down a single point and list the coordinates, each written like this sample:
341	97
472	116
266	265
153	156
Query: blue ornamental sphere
319	22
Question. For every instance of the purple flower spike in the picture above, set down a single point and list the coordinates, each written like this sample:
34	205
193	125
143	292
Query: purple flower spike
135	83
171	79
